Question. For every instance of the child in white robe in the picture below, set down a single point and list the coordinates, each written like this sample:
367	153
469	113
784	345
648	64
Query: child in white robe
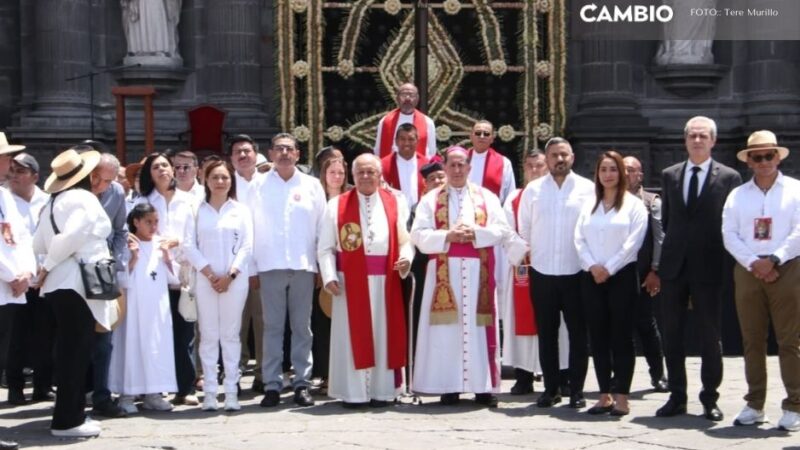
142	361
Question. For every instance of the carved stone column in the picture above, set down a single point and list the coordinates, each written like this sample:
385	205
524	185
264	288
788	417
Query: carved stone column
772	100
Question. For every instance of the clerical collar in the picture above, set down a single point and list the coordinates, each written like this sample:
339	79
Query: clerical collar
367	197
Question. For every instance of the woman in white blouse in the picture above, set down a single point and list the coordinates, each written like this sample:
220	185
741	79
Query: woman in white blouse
175	224
220	251
608	236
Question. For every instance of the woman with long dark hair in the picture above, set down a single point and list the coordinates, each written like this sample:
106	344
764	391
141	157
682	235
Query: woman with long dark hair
157	186
74	228
608	236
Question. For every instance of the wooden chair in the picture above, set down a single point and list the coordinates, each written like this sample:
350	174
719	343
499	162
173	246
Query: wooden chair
206	133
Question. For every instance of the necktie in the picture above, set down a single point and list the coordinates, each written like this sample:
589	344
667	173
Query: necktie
691	199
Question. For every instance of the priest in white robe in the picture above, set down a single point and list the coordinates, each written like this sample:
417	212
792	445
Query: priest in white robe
363	231
458	344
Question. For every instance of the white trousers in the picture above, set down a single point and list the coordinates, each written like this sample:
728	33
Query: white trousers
219	317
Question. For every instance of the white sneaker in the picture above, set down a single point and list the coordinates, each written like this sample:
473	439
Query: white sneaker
85	429
210	401
790	421
127	405
156	402
232	402
750	416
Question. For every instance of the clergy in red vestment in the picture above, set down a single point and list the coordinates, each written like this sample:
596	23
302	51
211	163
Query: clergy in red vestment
406	112
401	168
490	169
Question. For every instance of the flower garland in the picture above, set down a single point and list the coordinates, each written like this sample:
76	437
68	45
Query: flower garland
392	7
452	7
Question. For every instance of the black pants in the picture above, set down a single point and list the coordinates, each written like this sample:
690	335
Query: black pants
552	295
31	343
74	334
648	333
611	315
183	344
707	306
320	347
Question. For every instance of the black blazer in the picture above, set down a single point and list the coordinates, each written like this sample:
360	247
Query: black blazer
694	238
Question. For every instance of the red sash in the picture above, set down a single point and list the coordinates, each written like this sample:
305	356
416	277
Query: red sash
524	314
392	176
354	264
492	171
386	139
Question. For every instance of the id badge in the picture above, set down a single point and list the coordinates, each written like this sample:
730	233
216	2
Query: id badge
762	228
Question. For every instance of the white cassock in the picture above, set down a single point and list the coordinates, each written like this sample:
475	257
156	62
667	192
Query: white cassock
143	359
453	358
344	381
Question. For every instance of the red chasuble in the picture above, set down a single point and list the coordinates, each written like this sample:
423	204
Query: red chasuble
392	177
354	266
524	314
492	171
386	139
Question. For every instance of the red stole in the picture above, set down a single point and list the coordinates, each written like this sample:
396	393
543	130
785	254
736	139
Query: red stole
386	139
392	177
354	264
492	171
524	314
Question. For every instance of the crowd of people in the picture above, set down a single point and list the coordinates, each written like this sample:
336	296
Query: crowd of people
333	279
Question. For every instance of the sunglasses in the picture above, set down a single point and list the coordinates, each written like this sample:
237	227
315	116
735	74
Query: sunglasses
183	167
283	148
480	133
760	158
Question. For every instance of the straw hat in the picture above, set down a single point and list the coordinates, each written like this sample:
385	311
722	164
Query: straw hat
132	171
6	148
69	168
762	140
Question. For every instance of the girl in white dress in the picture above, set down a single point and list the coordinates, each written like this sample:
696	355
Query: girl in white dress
143	360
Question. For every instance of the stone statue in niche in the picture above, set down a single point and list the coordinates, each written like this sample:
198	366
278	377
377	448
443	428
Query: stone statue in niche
688	40
151	31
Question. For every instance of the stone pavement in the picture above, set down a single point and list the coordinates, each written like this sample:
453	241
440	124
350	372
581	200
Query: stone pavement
515	424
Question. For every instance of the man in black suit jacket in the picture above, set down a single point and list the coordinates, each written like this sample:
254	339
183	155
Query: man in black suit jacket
694	263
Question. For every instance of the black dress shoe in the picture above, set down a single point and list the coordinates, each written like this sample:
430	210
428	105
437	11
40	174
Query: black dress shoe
486	399
353	405
671	408
597	410
660	385
108	409
258	386
16	397
565	390
302	397
618	412
547	400
8	445
43	396
521	388
712	412
577	401
271	398
378	403
451	398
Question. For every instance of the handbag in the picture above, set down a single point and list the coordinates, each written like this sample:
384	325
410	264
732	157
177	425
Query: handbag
99	277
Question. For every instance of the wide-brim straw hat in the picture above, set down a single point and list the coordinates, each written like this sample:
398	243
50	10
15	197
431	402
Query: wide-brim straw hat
762	140
132	171
69	168
5	147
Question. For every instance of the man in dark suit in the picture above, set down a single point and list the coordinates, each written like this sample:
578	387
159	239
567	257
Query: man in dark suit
694	263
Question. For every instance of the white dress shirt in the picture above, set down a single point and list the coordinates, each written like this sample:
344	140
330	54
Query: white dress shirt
701	177
547	218
477	167
746	203
222	239
197	192
287	215
16	258
409	178
408	118
30	210
84	227
243	186
613	238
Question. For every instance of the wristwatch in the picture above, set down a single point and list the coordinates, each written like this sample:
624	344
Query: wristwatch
775	260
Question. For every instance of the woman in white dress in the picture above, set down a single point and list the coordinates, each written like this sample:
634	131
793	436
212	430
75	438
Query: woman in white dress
220	251
142	361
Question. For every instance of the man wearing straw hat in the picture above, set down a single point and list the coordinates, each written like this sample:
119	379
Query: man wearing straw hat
761	229
7	151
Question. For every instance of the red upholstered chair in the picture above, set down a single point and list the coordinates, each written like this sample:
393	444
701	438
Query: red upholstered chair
206	130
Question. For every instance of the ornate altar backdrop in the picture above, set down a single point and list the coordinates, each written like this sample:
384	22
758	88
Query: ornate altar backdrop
339	64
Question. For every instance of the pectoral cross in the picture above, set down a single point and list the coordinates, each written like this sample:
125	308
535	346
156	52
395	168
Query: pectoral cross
153	275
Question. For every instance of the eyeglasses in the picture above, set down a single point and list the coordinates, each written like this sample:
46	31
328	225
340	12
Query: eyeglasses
481	133
283	148
760	158
183	167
